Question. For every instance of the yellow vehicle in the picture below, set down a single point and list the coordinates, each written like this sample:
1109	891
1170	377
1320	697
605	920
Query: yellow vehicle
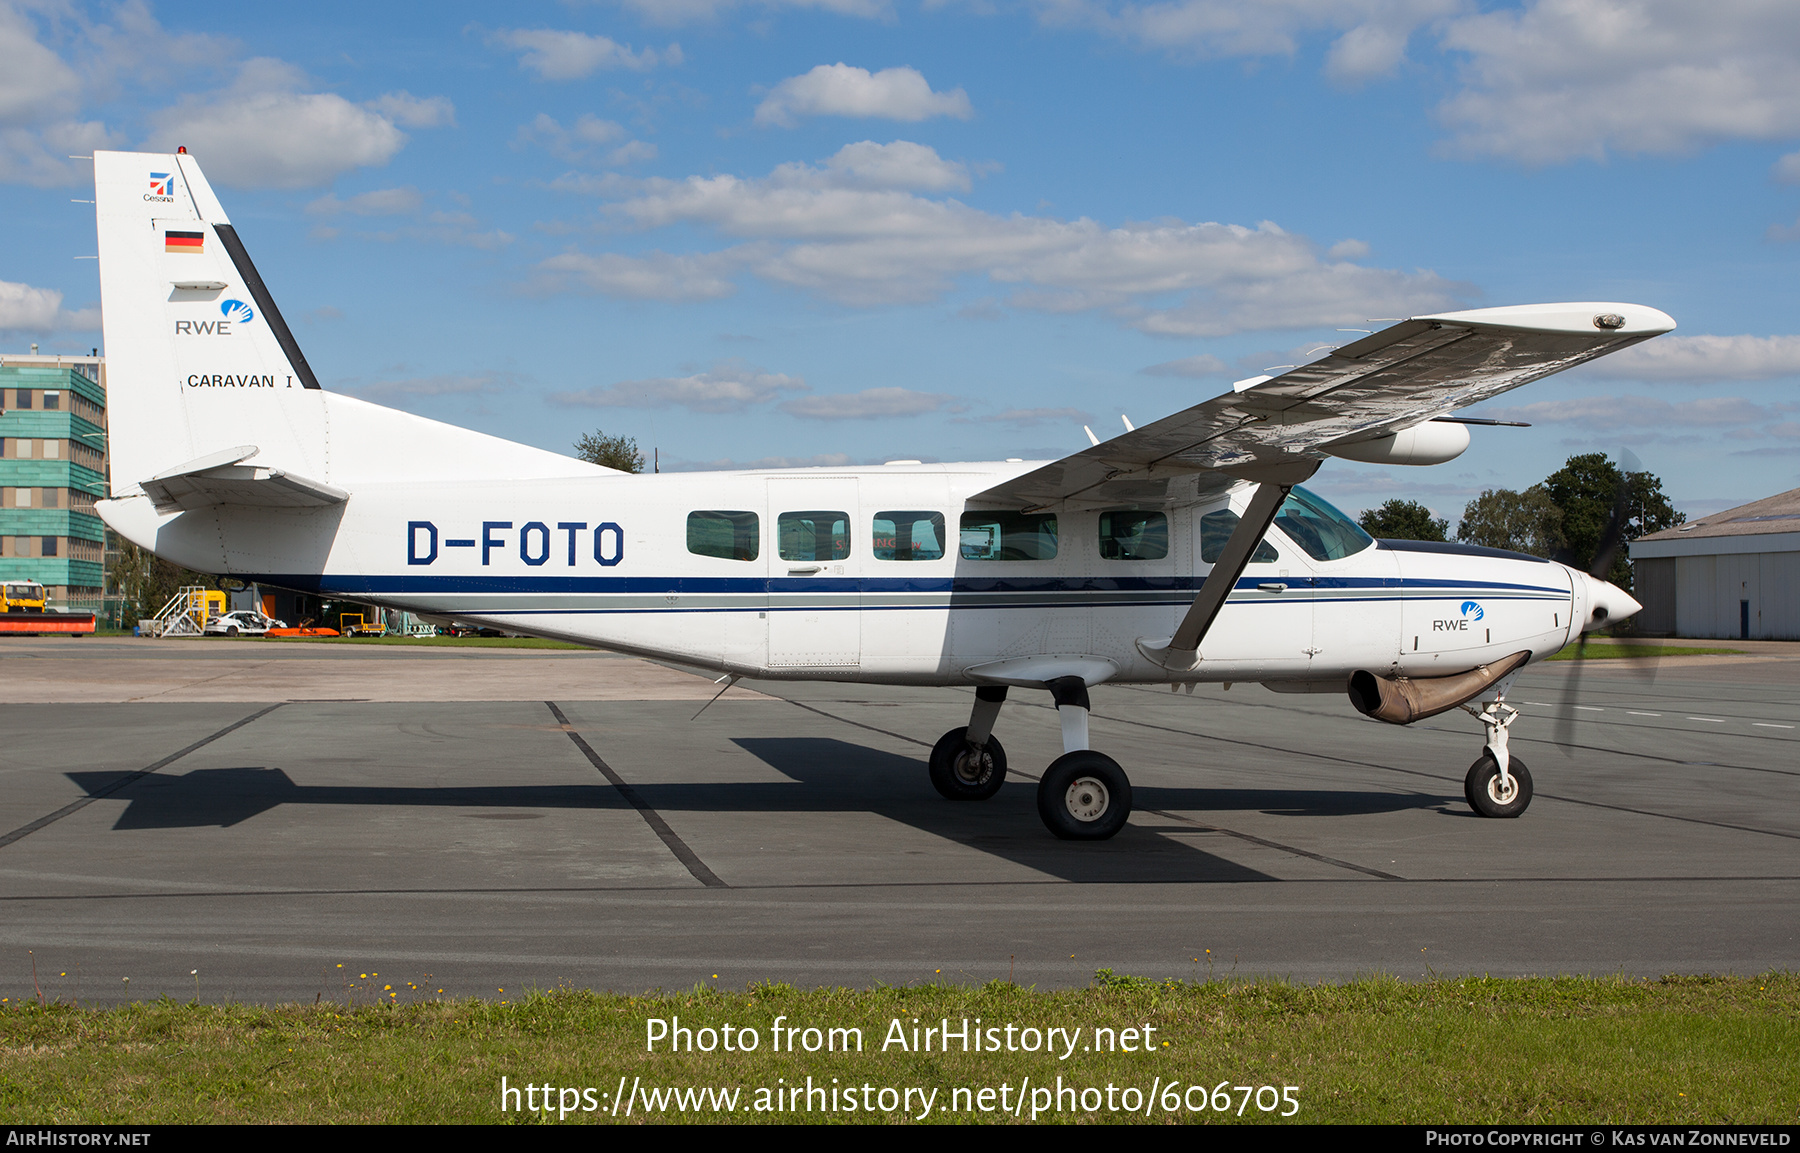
361	625
22	597
24	612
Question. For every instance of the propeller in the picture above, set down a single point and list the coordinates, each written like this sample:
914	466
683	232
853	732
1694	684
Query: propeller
1611	540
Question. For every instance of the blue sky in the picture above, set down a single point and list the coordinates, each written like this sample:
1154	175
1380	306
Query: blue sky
844	231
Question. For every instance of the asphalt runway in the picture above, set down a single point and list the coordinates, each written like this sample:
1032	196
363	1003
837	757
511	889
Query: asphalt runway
269	822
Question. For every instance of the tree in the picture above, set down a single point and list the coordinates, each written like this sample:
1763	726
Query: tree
1403	520
620	452
1527	522
144	582
1587	489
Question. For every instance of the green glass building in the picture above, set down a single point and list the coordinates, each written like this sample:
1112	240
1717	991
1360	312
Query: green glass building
52	470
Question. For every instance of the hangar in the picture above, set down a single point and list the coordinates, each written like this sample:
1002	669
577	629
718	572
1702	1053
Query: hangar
1734	574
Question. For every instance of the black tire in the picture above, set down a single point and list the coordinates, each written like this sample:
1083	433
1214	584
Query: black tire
1084	796
1482	787
961	772
231	630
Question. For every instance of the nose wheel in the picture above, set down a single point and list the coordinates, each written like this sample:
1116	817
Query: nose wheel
1498	785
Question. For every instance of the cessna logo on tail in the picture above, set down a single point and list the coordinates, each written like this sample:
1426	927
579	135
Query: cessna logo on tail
162	187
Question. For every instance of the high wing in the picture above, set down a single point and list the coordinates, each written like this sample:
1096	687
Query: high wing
1392	380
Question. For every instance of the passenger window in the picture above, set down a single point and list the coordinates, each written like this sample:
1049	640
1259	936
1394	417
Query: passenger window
1134	535
1215	530
726	535
812	535
1008	536
909	535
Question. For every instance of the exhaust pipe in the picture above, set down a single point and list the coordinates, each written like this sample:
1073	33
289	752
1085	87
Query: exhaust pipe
1403	700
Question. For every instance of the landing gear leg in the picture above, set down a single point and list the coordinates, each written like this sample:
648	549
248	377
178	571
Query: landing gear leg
1084	795
1499	784
968	764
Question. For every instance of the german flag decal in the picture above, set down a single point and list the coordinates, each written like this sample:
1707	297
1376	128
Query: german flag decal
184	242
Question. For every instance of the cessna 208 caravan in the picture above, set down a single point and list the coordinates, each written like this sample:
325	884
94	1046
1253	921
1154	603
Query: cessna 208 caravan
1182	551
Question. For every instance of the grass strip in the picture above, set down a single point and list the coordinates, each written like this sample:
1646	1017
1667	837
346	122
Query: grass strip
1600	650
1681	1050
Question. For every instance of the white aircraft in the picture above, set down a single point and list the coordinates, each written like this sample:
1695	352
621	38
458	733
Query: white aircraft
1182	551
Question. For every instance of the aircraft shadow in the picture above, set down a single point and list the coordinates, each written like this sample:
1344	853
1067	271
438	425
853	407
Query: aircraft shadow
825	775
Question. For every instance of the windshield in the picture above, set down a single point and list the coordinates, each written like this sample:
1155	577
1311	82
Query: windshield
1323	531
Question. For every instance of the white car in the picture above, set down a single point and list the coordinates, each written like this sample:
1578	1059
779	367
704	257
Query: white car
248	622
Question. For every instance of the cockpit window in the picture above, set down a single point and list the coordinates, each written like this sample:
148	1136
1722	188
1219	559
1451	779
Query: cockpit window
1323	531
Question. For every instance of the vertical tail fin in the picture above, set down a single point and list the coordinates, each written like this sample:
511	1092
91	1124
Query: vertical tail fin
198	356
200	360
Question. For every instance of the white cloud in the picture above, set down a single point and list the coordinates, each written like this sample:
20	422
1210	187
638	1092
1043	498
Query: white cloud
27	309
478	384
1560	79
453	228
1030	417
1618	413
586	141
380	202
1194	367
658	276
1540	81
567	55
727	387
840	90
822	230
1703	358
695	11
36	85
264	132
411	111
901	164
40	102
1372	33
1787	169
869	404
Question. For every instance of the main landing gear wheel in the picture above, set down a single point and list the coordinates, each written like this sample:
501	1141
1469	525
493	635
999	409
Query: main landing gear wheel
963	772
1084	796
1486	796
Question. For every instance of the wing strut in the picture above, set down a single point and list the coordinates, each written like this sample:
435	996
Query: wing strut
1181	652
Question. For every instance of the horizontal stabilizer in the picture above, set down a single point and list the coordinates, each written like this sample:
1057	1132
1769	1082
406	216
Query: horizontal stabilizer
223	479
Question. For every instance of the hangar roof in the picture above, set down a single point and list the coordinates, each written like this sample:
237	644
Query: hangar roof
1775	514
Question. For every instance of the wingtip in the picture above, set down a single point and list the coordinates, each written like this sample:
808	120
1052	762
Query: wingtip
1606	317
